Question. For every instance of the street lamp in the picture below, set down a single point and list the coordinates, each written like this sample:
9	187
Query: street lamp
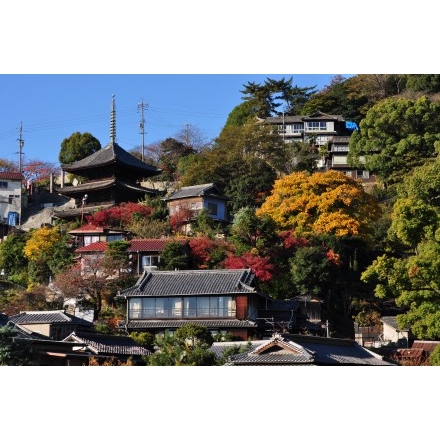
84	199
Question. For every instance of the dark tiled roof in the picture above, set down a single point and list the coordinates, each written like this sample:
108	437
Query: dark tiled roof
43	317
391	321
275	351
108	344
209	323
96	185
322	116
10	175
304	350
333	351
151	244
88	186
192	282
112	153
301	118
24	333
208	189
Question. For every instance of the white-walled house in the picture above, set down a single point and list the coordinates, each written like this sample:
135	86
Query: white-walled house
10	197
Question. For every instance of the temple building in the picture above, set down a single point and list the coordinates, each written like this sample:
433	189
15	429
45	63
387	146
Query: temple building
107	177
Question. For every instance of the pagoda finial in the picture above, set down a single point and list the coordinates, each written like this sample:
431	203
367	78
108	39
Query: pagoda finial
113	122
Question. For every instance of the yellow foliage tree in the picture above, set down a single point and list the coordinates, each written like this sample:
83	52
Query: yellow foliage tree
41	242
329	202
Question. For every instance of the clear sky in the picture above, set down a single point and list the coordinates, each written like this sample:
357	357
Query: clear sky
50	107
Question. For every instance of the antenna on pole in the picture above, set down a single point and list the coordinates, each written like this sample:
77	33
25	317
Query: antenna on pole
20	146
141	106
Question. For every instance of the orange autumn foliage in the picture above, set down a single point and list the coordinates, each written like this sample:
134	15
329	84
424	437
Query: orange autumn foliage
329	202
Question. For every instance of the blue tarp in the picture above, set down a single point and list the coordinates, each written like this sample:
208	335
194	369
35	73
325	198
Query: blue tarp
349	125
12	218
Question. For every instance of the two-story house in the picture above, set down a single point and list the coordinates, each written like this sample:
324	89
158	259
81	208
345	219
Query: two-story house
224	301
322	130
10	198
194	199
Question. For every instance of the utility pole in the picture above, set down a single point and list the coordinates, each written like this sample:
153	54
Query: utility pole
186	135
20	148
141	106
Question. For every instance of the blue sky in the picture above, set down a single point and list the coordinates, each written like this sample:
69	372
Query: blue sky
51	107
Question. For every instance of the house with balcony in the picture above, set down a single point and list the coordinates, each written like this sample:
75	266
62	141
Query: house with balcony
322	130
222	300
145	253
89	234
10	199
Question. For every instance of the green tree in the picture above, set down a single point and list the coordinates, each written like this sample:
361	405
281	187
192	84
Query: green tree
188	346
434	357
428	83
240	115
12	257
410	273
175	255
396	136
171	150
265	99
13	350
251	231
78	146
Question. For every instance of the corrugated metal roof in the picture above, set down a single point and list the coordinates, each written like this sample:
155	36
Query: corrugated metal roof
98	246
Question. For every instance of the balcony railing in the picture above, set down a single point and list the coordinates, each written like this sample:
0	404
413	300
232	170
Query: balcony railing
200	312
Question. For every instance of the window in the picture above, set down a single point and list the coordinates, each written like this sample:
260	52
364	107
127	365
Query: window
212	208
89	239
202	306
10	199
294	128
178	307
316	126
134	308
190	307
3	184
150	260
114	237
340	148
339	160
362	174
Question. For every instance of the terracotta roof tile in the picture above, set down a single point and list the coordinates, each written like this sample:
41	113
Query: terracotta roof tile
98	246
151	244
11	175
